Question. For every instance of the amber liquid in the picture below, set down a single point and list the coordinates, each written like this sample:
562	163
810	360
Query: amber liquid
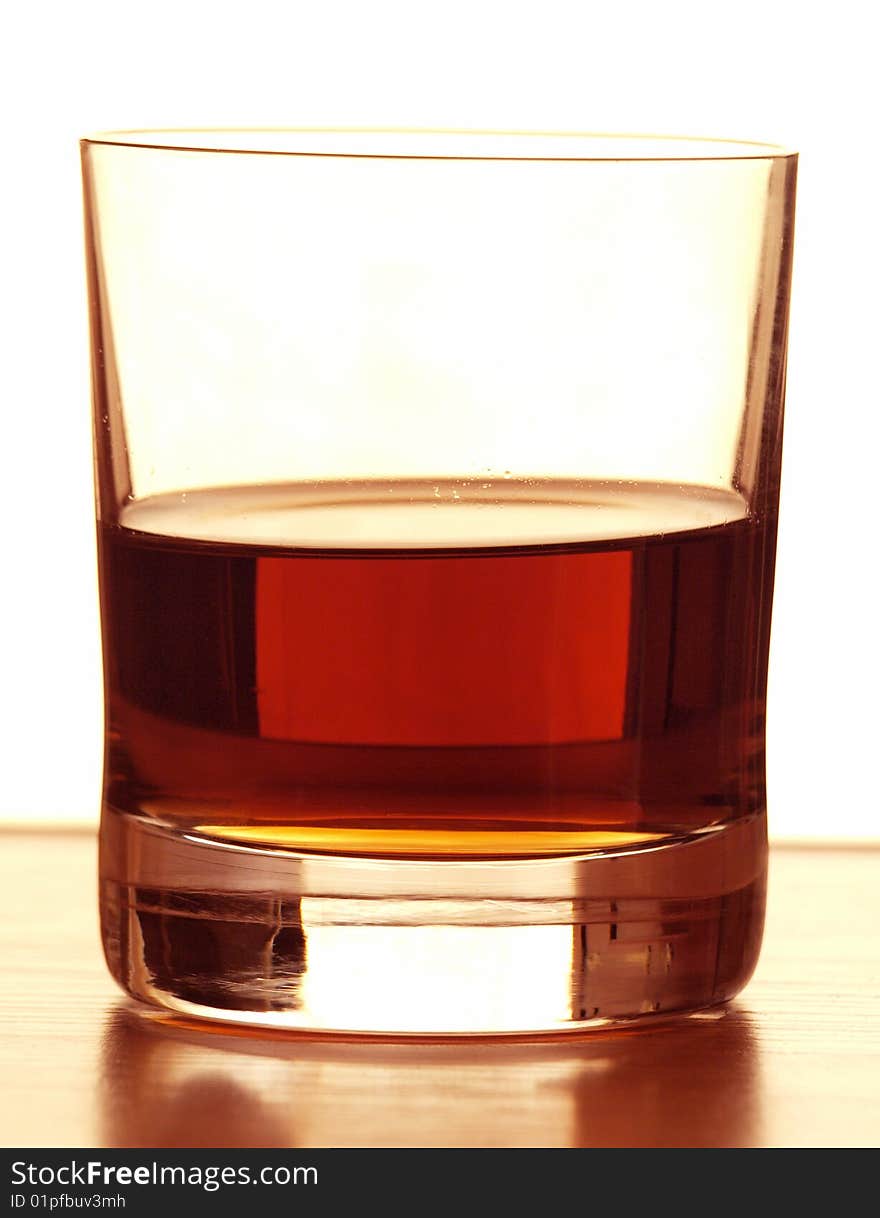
444	670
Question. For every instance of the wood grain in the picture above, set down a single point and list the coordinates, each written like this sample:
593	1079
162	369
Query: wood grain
793	1063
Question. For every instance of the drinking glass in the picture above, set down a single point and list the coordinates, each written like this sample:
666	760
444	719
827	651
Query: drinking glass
437	481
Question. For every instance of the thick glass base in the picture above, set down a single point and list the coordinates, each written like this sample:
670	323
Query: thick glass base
283	939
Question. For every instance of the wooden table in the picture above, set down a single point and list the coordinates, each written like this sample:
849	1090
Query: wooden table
793	1063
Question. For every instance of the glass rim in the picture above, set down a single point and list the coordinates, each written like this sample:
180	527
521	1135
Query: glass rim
445	144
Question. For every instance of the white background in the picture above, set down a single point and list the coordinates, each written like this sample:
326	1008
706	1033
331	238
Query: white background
783	72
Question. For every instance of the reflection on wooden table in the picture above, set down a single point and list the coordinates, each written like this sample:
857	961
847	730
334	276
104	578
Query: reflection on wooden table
169	1083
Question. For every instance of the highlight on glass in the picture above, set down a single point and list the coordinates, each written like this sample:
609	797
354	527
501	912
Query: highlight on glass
437	483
